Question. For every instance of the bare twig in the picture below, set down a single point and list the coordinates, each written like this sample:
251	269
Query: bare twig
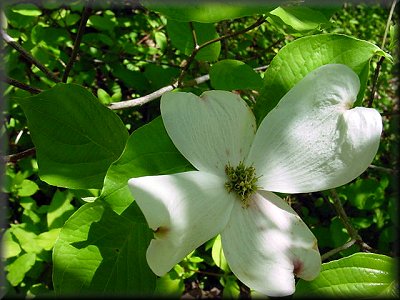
85	16
383	169
196	50
328	254
142	100
150	97
379	64
346	222
375	81
10	41
22	86
16	157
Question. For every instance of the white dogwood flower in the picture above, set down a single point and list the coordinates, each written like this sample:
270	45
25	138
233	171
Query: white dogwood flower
311	141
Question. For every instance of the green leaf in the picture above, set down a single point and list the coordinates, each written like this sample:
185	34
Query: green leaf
208	12
105	22
303	55
47	239
160	76
181	37
232	289
230	74
161	40
99	251
27	188
17	269
366	194
132	79
10	246
218	255
76	137
104	97
27	9
358	275
169	285
298	19
148	151
26	238
59	210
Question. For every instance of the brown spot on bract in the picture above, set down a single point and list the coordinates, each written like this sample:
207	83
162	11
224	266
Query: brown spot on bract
297	266
227	152
161	231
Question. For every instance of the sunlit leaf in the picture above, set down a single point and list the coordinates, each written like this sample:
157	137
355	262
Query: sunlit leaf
27	9
17	269
298	19
218	254
358	275
149	151
59	209
99	252
208	12
181	35
10	247
76	137
298	58
230	74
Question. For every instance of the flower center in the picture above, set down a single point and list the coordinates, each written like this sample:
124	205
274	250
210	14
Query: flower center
241	180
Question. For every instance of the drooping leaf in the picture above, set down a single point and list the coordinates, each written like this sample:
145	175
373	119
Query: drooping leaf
59	210
111	248
303	55
208	12
10	247
27	188
148	151
297	20
132	79
27	9
218	255
76	138
17	269
113	225
366	194
230	74
358	275
26	238
170	285
182	38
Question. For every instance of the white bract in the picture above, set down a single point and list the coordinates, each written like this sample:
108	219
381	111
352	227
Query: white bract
311	141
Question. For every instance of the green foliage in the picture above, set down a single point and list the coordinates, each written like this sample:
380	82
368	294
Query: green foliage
148	151
94	240
76	138
181	35
300	57
358	275
297	20
111	247
208	12
232	74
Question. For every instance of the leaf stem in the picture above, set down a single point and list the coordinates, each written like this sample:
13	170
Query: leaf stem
85	16
23	86
189	61
158	93
328	254
379	64
383	169
16	157
10	41
346	222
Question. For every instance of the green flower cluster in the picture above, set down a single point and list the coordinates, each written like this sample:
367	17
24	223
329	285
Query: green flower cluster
241	180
